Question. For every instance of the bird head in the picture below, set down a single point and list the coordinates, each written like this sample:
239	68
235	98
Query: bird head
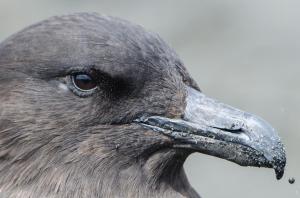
94	105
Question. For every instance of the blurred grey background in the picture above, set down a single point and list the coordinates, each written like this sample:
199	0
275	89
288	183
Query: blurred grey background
244	53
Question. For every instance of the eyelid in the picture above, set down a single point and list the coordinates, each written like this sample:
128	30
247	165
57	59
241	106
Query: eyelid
80	69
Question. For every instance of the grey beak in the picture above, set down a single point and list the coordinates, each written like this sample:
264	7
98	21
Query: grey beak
217	129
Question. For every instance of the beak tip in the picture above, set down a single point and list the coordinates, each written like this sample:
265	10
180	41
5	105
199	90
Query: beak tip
266	140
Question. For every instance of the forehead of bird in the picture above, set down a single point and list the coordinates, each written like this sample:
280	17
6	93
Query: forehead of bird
60	44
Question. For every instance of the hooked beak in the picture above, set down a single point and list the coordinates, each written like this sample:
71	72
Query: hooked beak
217	129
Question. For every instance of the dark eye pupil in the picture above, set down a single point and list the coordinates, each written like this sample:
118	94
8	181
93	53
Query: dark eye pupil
84	82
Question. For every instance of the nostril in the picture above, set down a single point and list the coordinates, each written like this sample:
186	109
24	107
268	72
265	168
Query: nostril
237	130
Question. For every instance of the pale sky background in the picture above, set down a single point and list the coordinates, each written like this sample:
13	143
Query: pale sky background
244	53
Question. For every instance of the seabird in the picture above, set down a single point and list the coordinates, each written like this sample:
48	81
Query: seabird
95	106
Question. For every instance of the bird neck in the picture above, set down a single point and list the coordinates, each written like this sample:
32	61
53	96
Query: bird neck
160	175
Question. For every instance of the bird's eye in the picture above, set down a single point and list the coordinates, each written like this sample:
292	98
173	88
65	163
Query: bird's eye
84	82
